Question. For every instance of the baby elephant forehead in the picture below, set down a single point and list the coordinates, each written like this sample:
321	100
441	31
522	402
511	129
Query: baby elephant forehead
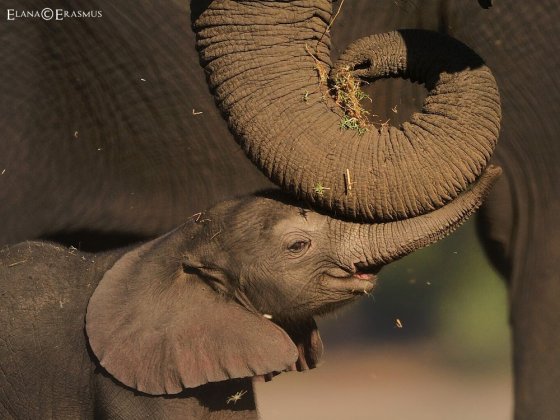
299	218
276	212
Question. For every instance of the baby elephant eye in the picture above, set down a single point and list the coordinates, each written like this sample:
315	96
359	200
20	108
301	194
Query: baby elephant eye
298	246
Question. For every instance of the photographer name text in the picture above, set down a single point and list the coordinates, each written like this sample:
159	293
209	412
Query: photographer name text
52	14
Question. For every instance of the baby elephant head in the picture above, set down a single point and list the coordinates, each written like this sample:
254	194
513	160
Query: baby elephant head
232	292
279	259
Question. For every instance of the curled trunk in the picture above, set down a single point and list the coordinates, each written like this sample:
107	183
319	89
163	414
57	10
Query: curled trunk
265	61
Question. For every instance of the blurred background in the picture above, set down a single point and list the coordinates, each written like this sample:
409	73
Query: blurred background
432	342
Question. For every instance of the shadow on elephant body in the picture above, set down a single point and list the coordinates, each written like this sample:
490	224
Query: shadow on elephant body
197	8
111	395
498	226
92	241
364	57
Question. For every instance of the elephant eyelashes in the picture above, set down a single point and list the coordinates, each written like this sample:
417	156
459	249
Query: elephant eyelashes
299	246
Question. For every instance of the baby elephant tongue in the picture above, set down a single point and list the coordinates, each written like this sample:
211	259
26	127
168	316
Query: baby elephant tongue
365	276
366	272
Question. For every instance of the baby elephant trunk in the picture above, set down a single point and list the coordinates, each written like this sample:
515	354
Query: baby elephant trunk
367	247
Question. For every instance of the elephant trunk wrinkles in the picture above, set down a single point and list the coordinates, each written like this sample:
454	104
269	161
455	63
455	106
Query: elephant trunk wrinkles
374	245
262	60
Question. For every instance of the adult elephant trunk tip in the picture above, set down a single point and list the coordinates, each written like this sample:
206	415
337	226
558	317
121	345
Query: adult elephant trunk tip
268	80
387	242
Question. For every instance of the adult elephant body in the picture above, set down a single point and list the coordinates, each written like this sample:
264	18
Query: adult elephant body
108	125
101	132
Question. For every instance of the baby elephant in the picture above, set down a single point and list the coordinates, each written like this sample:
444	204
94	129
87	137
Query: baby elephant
177	327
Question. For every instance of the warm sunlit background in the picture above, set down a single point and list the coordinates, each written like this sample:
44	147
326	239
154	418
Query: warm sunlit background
449	360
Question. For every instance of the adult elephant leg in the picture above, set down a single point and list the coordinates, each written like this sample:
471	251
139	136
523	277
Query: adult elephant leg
535	316
516	231
519	42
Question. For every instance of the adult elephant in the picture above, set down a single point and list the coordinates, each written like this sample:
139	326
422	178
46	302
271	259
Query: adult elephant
519	224
115	131
103	134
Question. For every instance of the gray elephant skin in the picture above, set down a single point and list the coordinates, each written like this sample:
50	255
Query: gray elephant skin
103	139
176	327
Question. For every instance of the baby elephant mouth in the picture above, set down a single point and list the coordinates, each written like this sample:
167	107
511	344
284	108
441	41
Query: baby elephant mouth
366	272
358	279
362	279
345	285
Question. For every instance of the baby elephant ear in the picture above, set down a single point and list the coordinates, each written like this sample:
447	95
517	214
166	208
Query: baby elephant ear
159	330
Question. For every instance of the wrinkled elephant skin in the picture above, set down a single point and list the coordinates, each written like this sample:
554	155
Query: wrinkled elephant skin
108	125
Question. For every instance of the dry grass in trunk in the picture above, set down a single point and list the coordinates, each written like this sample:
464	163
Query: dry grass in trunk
346	91
348	95
344	88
